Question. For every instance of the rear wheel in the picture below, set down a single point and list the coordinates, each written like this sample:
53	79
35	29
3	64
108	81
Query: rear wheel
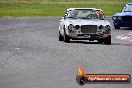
107	40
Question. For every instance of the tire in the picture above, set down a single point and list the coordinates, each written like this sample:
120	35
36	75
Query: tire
117	27
60	37
81	80
100	41
107	40
66	37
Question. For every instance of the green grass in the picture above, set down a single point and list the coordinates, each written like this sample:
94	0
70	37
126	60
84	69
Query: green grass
55	7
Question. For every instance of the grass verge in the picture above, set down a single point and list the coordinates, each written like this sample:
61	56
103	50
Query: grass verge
55	8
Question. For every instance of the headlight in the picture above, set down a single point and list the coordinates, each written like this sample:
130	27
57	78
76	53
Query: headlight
77	27
107	28
119	18
101	27
114	18
71	27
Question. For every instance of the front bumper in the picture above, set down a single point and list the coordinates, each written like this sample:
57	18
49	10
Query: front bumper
122	24
90	36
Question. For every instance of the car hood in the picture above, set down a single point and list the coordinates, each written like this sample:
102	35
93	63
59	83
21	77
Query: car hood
87	22
123	14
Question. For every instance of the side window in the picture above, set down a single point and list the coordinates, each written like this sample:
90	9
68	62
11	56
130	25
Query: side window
69	13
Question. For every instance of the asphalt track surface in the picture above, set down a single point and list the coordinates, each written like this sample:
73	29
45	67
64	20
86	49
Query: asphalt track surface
32	57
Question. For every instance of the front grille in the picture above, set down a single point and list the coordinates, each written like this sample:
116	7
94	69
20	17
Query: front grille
89	28
127	18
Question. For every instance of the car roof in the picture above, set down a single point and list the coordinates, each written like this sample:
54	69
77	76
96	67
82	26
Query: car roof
129	4
99	9
80	8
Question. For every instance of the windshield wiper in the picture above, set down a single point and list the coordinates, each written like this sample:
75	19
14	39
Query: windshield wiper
83	17
72	17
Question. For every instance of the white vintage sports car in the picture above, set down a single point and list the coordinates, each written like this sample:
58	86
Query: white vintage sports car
84	24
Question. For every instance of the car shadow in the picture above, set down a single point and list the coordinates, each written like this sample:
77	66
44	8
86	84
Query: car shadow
121	44
84	42
89	42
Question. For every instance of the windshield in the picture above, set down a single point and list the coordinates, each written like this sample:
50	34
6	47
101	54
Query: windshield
86	14
128	9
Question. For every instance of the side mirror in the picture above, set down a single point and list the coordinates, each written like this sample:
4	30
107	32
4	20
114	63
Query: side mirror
63	17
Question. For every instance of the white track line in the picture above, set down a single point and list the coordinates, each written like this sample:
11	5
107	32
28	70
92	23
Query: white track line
127	37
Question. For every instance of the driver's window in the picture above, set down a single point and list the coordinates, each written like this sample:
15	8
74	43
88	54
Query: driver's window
123	9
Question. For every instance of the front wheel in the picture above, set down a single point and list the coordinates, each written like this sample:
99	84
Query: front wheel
60	37
117	27
107	40
66	38
100	41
